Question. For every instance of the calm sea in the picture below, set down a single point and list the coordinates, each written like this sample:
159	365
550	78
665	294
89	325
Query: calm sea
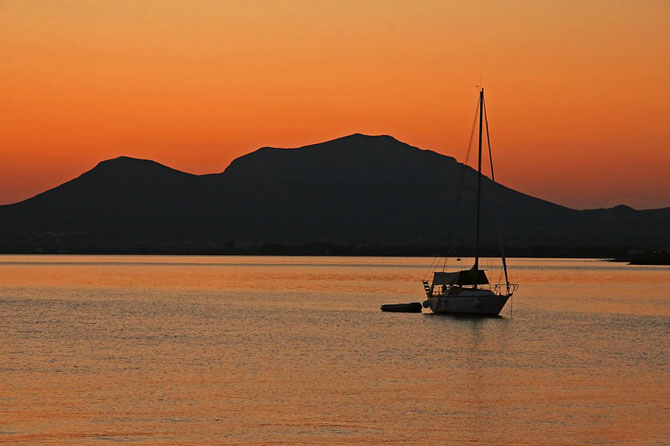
294	350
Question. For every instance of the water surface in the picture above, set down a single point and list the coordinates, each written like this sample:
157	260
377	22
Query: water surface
294	350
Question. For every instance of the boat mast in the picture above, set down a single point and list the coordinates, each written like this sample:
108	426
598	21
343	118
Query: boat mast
479	176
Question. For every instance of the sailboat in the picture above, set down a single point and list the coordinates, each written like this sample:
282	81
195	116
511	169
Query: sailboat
469	291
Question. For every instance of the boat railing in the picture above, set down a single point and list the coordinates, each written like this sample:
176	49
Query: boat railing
502	288
499	289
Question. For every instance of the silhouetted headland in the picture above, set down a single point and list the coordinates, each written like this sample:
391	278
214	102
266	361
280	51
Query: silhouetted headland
356	195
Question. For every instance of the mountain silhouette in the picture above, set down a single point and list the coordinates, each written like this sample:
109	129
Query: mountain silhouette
356	190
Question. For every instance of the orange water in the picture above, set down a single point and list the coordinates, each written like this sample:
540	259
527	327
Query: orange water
294	350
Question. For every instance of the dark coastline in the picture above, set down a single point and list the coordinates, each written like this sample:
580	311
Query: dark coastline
325	249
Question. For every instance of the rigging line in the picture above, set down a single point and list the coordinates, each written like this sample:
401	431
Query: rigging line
436	259
472	134
495	206
462	179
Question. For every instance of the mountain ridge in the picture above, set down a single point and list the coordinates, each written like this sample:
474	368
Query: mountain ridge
357	189
129	160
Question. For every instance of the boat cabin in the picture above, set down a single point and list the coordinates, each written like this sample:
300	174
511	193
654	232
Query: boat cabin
445	283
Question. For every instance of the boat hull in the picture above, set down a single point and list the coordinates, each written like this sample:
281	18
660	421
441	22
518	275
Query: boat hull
477	302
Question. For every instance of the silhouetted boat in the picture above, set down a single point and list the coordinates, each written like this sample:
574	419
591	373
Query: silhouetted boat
469	291
413	307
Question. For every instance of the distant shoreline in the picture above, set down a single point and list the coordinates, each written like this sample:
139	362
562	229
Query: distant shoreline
338	250
647	260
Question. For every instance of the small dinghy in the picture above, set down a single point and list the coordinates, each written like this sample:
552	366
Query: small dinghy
413	307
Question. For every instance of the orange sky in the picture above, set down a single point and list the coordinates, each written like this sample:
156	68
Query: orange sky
578	93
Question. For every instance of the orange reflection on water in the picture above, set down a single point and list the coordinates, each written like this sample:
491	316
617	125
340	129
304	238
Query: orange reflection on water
258	350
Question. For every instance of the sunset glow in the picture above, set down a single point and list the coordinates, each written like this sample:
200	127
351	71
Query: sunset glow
578	93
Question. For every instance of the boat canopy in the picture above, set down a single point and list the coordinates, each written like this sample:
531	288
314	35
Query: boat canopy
466	277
